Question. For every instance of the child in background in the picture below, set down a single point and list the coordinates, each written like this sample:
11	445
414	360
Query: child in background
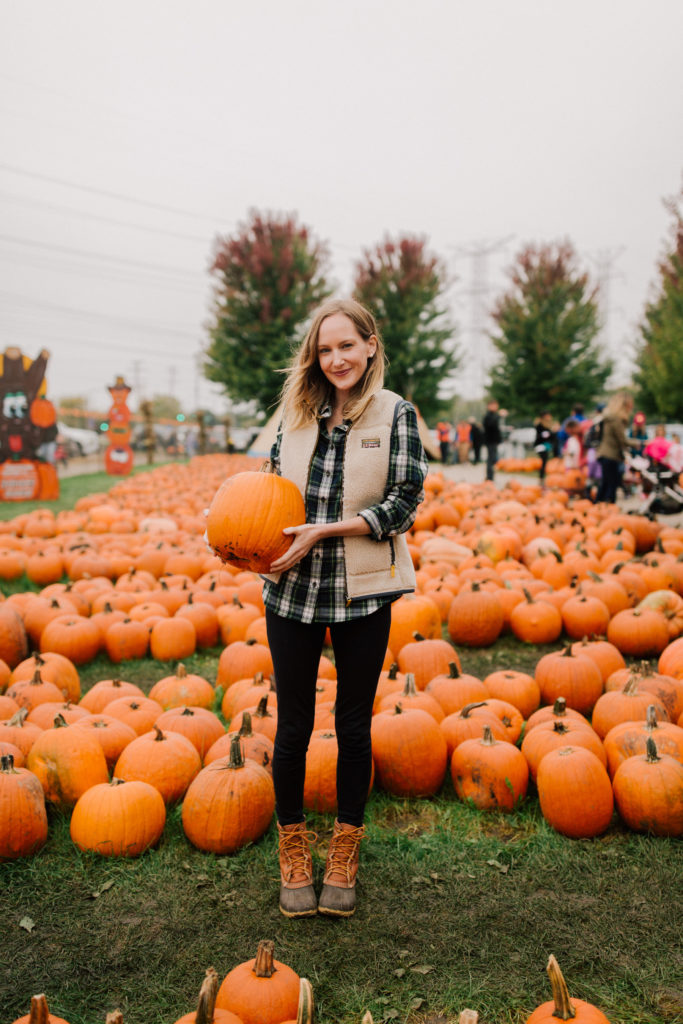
572	452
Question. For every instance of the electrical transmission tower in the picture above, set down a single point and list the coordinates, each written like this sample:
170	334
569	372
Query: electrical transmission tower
479	348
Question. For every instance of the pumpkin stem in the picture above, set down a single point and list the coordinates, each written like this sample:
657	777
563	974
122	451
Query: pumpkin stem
39	1011
651	755
417	635
60	721
409	690
245	728
19	718
159	734
527	595
561	728
453	670
181	671
487	738
651	717
393	671
262	708
7	764
207	998
564	1009
37	678
304	1012
236	758
560	707
631	685
251	641
465	712
264	966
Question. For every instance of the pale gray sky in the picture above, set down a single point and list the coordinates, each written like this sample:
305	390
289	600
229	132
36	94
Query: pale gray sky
133	132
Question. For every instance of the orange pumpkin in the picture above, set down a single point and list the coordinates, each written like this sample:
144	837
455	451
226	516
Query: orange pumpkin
247	516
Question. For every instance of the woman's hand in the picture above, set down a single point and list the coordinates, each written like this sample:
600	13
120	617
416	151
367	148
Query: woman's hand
305	536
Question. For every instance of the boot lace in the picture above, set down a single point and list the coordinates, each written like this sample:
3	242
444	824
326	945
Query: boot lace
294	849
342	858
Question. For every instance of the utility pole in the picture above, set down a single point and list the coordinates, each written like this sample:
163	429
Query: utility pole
479	348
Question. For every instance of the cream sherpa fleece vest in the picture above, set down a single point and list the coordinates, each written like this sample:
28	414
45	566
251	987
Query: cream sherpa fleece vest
373	568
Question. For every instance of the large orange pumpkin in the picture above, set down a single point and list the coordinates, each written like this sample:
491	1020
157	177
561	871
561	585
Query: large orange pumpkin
247	516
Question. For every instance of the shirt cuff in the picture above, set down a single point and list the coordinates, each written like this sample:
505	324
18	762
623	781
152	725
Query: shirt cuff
373	522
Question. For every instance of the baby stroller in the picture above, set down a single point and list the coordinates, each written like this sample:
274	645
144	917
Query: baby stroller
662	492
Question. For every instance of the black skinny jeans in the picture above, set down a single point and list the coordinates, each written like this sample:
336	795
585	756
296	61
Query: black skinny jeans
359	647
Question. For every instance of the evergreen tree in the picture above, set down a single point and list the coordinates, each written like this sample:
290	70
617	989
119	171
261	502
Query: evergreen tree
269	278
659	362
404	286
548	323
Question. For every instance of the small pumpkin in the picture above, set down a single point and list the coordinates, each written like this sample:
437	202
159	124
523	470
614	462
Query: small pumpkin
40	1013
118	818
262	990
23	818
648	792
491	773
230	803
561	1007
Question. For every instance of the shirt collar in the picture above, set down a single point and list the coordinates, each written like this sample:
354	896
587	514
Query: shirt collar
326	410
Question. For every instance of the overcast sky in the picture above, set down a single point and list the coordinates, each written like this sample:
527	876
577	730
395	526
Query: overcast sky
134	132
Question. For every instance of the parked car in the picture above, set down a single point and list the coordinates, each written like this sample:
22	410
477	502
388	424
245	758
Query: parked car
78	441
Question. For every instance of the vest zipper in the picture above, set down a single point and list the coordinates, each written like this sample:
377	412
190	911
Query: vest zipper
393	557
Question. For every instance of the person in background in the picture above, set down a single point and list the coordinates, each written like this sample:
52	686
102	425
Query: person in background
493	435
353	449
476	440
613	445
443	434
638	431
463	435
544	442
572	453
577	414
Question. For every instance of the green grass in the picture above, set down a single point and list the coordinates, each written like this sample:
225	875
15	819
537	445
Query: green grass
456	908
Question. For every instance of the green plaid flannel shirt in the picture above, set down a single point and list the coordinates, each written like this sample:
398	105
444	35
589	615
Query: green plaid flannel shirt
314	590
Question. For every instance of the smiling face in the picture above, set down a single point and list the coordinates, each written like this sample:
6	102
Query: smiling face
342	353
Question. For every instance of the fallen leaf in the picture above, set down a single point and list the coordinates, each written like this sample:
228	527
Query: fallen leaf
399	972
503	868
422	969
103	888
27	924
416	1003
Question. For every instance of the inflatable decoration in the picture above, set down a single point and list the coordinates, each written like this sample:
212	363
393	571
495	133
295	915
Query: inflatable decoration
28	429
118	458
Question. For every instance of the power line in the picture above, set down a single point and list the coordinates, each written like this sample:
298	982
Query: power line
107	274
23	172
90	255
137	349
83	215
84	314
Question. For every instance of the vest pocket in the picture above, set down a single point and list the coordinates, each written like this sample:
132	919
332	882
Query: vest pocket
364	555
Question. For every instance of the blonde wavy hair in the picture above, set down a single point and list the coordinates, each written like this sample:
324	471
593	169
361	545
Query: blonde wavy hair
620	406
306	389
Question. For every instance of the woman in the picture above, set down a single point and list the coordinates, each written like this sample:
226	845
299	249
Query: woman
354	451
613	445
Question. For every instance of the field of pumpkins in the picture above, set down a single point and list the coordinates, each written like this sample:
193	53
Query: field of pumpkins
528	765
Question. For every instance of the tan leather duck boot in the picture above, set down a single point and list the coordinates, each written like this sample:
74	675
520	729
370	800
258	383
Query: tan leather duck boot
338	896
297	895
